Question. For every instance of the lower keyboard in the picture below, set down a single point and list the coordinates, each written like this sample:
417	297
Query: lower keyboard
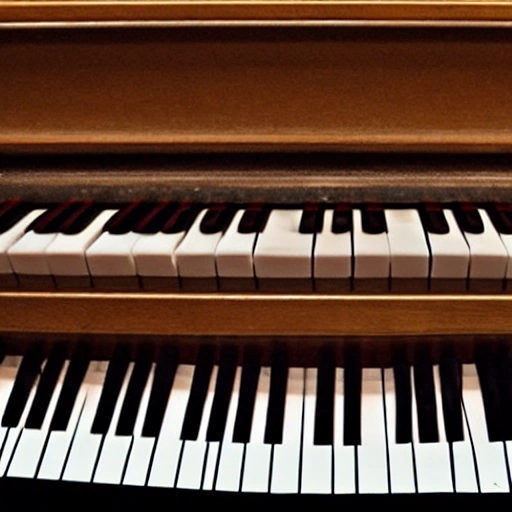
234	429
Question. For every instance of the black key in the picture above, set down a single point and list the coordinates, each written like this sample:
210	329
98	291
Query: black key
503	364
12	212
352	400
132	398
324	409
468	218
342	219
2	352
155	220
490	396
80	218
312	220
197	397
501	217
276	398
181	219
403	396
45	389
373	220
53	219
425	399
217	219
26	376
222	395
451	391
114	378
434	220
70	387
247	398
127	218
254	219
163	379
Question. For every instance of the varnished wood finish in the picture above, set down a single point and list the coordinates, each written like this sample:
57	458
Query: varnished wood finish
350	87
238	10
254	315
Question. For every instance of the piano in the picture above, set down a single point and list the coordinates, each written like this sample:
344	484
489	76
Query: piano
255	253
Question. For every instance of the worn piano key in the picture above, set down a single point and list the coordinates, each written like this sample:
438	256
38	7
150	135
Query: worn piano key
217	219
312	220
254	219
433	219
469	218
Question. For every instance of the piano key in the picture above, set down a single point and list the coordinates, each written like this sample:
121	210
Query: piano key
286	455
316	476
11	212
7	238
164	375
195	448
344	455
217	219
371	258
248	392
81	460
29	449
156	218
409	252
450	257
324	400
489	455
373	219
431	452
488	255
114	379
282	255
501	217
114	448
233	257
139	459
451	389
503	368
253	219
403	407
352	400
401	465
256	471
277	398
195	257
332	265
433	218
342	219
372	454
231	453
312	219
128	218
28	372
168	447
469	219
66	254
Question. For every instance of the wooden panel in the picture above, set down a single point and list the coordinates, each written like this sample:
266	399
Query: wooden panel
373	88
223	314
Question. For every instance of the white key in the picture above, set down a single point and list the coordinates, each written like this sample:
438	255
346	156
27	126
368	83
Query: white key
490	456
407	245
401	466
8	370
195	255
234	251
31	443
231	455
114	451
344	456
192	460
12	434
286	461
281	250
333	252
372	456
66	254
59	442
316	460
111	255
142	447
487	252
85	446
450	252
27	255
371	252
11	236
168	447
433	467
154	255
257	453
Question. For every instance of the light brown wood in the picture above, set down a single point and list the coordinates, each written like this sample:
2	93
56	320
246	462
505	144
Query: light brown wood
254	315
237	10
